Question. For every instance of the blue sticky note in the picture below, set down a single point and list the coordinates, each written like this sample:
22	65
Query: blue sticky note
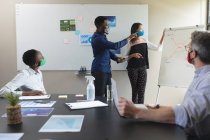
77	32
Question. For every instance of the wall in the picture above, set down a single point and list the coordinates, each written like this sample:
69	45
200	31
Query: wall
162	14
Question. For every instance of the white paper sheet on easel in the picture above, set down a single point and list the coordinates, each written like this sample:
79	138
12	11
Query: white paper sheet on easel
34	97
86	104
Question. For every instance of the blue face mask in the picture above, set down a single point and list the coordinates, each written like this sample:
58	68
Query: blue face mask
140	33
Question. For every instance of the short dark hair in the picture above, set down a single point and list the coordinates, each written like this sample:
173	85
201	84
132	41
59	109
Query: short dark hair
201	44
29	57
99	21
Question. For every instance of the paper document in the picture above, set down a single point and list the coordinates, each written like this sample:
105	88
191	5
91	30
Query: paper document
36	104
34	97
10	136
63	123
31	112
87	104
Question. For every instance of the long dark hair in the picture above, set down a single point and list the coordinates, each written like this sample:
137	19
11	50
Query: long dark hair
134	29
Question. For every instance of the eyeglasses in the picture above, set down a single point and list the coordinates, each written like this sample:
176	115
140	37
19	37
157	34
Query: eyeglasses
187	47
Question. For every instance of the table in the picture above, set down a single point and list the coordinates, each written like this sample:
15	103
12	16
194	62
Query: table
99	124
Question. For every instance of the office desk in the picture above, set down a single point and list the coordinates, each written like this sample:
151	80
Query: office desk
99	124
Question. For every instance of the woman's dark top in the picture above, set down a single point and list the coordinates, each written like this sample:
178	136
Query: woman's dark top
139	62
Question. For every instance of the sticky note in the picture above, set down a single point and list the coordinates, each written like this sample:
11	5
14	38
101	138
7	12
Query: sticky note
79	18
66	41
62	96
79	95
77	32
92	30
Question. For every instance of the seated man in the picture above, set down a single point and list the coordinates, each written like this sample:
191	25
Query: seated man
28	82
194	112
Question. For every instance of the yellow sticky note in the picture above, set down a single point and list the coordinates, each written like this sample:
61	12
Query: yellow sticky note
79	95
62	96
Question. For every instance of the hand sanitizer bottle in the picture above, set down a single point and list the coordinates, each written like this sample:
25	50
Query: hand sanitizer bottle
90	88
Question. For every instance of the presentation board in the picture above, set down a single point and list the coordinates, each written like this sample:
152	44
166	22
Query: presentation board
62	32
175	71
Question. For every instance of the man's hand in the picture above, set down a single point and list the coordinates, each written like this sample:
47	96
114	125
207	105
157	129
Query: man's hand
134	35
32	93
161	114
127	108
136	55
120	59
152	106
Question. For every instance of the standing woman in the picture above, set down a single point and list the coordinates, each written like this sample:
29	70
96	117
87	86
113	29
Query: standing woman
138	62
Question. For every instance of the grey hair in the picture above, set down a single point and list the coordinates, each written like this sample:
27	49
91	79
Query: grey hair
201	44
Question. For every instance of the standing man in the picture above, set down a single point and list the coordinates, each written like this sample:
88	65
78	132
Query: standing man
193	114
101	67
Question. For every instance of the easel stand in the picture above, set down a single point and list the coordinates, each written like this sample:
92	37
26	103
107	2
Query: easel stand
157	97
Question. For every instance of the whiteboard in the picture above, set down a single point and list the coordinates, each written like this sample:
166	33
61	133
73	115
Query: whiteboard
38	27
175	71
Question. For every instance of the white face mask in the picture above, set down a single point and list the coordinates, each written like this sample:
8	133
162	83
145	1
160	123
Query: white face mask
106	30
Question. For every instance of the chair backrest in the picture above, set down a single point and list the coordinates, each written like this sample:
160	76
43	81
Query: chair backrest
114	93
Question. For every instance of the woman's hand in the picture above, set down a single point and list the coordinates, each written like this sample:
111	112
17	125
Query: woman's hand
162	37
136	55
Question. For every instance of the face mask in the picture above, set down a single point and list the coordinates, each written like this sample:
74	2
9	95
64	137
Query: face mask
43	62
106	30
140	33
188	57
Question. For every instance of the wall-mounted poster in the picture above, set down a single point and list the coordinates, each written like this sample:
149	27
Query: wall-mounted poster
67	25
112	21
85	39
